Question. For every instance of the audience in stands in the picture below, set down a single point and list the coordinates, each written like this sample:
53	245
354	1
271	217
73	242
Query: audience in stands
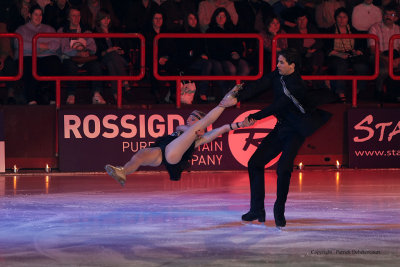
19	14
43	3
175	11
311	50
207	8
225	54
111	51
55	13
89	10
324	14
252	14
286	11
138	15
48	62
384	30
365	15
190	55
79	54
165	49
272	28
345	54
8	67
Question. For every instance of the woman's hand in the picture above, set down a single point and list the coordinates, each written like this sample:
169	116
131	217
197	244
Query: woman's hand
248	122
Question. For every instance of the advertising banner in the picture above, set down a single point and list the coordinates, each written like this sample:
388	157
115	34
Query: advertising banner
90	139
374	138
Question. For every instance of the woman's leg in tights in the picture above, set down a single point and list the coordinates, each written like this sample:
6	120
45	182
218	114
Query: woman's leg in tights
175	149
150	156
145	157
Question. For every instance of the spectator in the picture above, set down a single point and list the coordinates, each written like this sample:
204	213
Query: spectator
286	12
324	14
165	49
192	57
384	30
111	51
48	62
345	53
55	13
89	10
207	8
79	53
43	3
273	27
138	15
19	14
311	52
251	15
175	11
365	15
8	67
225	54
383	3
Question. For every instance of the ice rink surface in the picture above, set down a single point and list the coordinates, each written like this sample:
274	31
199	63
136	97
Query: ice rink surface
334	218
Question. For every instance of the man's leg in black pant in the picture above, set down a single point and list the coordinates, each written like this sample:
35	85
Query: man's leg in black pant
291	145
268	149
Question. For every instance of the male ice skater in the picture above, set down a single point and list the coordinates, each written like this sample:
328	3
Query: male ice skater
297	118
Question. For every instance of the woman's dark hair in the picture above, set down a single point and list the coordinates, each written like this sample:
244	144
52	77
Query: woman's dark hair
34	7
341	10
292	56
268	20
103	13
186	25
228	26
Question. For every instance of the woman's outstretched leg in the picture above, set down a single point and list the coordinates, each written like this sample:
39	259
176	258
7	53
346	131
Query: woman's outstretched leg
175	149
145	157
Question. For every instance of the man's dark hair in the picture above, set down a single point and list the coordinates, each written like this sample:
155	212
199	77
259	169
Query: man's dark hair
292	56
390	7
34	7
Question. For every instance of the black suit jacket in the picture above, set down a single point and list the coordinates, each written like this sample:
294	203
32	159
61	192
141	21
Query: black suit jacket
283	107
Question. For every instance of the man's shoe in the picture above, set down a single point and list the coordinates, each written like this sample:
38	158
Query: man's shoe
279	215
117	173
254	215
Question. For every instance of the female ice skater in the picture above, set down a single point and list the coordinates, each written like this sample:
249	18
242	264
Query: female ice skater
175	150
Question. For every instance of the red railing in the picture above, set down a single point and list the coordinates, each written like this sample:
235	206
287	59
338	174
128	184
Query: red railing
391	49
178	79
58	79
354	78
20	57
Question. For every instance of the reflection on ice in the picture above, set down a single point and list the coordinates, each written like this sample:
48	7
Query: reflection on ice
90	221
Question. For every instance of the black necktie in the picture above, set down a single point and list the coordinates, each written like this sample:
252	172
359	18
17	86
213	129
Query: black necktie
288	94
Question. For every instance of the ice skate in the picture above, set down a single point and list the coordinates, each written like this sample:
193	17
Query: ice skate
117	173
